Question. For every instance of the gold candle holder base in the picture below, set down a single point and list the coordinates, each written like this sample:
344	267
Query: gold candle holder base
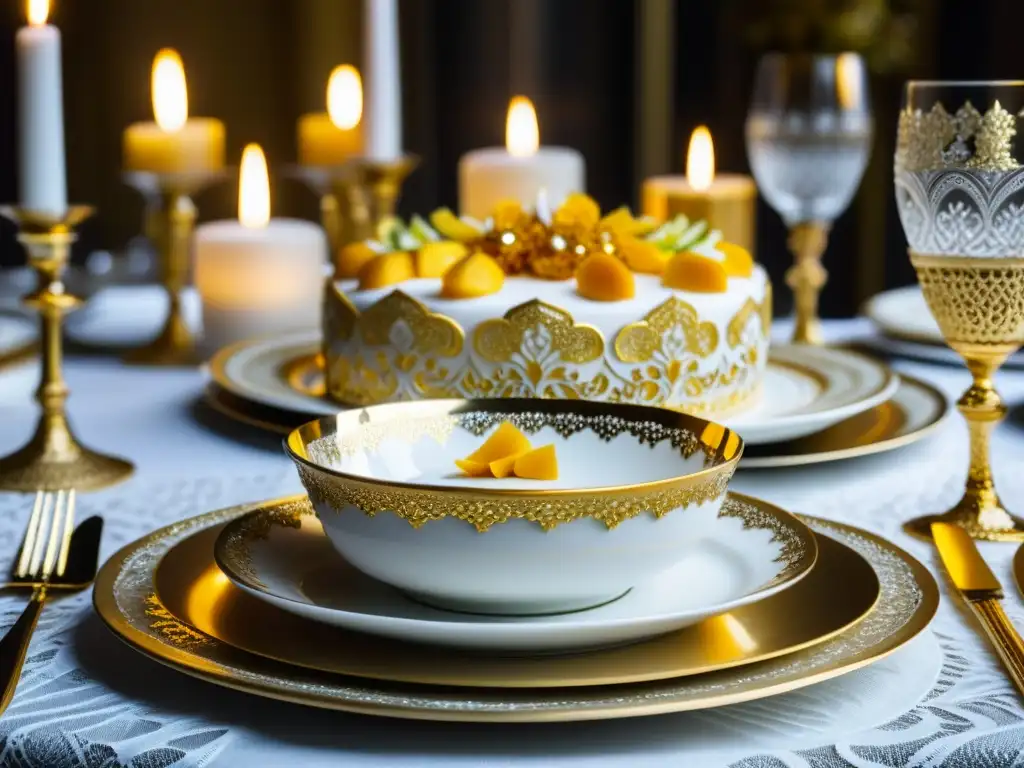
979	306
356	197
169	225
806	278
54	459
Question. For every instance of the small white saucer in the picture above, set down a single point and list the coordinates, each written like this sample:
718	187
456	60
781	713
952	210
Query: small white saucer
287	561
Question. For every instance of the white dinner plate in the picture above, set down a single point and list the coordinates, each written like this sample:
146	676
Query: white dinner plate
910	330
806	389
290	563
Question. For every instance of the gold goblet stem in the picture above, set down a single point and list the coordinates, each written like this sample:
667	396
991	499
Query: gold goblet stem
806	278
172	234
54	459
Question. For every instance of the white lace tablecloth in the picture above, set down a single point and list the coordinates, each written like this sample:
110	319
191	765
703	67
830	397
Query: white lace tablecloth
88	700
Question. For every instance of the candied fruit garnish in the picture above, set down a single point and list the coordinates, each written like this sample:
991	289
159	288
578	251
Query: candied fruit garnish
352	258
603	277
642	256
505	441
386	269
471	277
538	464
452	227
738	261
689	271
434	259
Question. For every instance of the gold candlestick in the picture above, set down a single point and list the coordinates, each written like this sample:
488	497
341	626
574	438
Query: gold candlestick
356	197
54	459
170	226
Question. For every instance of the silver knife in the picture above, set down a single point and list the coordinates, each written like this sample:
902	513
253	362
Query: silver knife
983	593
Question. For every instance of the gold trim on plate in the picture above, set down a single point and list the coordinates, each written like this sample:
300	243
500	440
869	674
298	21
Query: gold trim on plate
125	599
193	589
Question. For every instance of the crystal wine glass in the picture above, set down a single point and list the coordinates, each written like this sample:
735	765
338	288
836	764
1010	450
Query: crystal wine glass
960	196
808	139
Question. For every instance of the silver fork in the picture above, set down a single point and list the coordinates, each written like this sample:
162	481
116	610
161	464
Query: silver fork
43	556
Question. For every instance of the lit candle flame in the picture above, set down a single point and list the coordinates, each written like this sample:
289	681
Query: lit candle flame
38	11
700	159
170	94
522	135
345	97
253	189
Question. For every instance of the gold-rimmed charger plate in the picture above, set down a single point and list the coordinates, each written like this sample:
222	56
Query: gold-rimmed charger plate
190	585
126	599
915	411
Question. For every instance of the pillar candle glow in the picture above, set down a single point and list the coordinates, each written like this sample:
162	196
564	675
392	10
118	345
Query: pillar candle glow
43	184
382	81
332	137
520	170
174	143
257	275
725	200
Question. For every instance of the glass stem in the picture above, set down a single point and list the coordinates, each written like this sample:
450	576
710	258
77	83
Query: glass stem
806	278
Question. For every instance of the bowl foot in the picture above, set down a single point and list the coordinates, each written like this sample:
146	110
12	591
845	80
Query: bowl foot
511	608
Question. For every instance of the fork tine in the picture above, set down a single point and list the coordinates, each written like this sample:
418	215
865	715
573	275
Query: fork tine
29	543
55	535
69	529
40	544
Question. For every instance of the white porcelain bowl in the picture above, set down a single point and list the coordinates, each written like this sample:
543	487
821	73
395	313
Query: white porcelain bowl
639	489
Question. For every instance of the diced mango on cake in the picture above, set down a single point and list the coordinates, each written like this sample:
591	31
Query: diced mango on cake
738	261
352	258
451	226
603	277
538	464
434	259
473	468
689	271
473	276
506	440
504	467
578	210
642	256
387	269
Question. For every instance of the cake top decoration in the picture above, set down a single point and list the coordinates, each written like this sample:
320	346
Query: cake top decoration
551	244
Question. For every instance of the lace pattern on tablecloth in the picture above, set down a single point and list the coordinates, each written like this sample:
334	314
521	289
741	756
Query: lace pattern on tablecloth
60	717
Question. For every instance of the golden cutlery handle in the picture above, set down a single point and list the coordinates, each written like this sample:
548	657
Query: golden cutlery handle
14	646
1004	637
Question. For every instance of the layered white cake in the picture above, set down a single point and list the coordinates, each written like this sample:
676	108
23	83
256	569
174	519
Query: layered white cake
699	348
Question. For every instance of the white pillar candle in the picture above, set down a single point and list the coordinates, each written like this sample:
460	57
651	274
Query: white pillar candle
257	275
519	171
382	84
40	114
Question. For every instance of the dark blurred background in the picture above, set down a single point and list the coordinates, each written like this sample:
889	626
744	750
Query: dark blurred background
623	81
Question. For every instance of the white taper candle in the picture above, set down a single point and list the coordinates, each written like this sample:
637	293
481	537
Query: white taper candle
43	186
382	84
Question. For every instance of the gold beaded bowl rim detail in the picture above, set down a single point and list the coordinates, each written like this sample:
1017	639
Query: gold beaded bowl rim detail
722	446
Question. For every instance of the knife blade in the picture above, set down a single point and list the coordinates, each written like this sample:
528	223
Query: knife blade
982	591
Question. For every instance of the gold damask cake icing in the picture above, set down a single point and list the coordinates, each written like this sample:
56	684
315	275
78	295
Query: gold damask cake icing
558	304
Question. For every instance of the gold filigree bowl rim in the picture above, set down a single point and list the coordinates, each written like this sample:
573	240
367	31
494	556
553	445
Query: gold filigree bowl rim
718	467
